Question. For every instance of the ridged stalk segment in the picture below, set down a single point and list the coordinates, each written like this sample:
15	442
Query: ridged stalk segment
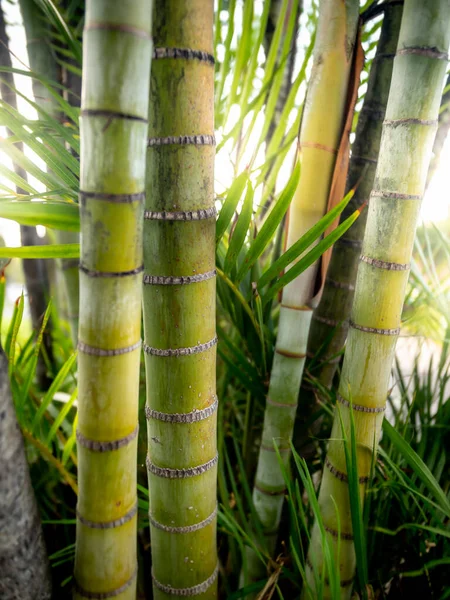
329	324
179	302
116	71
319	140
406	144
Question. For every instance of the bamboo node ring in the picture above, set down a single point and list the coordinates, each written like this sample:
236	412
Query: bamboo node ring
191	591
335	533
111	114
186	528
180	351
388	195
330	322
178	280
395	331
181	473
122	27
382	264
105	595
100	446
182	140
93	351
340	475
109	524
191	417
429	52
359	407
411	121
182	215
340	285
186	53
107	197
110	274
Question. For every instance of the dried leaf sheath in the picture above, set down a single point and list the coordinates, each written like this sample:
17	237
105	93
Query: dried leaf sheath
179	302
319	139
116	69
407	139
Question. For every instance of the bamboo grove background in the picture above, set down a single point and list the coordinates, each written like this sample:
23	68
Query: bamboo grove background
255	98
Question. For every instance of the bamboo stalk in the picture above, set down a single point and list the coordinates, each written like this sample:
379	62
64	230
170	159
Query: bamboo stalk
43	62
24	569
320	134
117	53
329	324
179	302
35	271
405	151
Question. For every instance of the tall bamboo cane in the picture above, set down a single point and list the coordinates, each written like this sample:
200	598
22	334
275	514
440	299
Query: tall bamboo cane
116	70
405	151
329	324
319	138
24	569
179	302
43	62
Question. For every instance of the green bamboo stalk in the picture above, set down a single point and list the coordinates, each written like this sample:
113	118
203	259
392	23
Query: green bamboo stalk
442	131
117	53
405	151
179	302
329	324
42	61
24	569
35	271
320	133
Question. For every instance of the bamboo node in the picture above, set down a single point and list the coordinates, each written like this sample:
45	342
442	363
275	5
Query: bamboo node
100	446
330	322
116	198
342	476
395	331
111	114
317	146
122	27
178	280
348	242
181	473
340	285
109	524
186	215
191	591
336	534
185	53
180	351
288	354
105	595
191	417
182	140
394	195
110	274
382	264
186	528
281	404
93	351
428	51
359	407
411	121
269	492
69	263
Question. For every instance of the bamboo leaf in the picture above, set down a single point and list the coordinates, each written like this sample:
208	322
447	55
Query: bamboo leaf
240	231
56	215
49	251
271	223
230	204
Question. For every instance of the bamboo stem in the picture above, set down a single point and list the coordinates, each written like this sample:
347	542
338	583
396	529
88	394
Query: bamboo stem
179	302
116	69
320	134
407	139
329	324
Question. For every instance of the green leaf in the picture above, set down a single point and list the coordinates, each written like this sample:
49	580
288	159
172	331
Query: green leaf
240	231
49	251
274	219
230	204
419	467
304	242
56	215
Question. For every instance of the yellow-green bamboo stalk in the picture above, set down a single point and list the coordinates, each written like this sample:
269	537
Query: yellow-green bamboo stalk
179	302
322	125
43	62
116	70
405	151
329	324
